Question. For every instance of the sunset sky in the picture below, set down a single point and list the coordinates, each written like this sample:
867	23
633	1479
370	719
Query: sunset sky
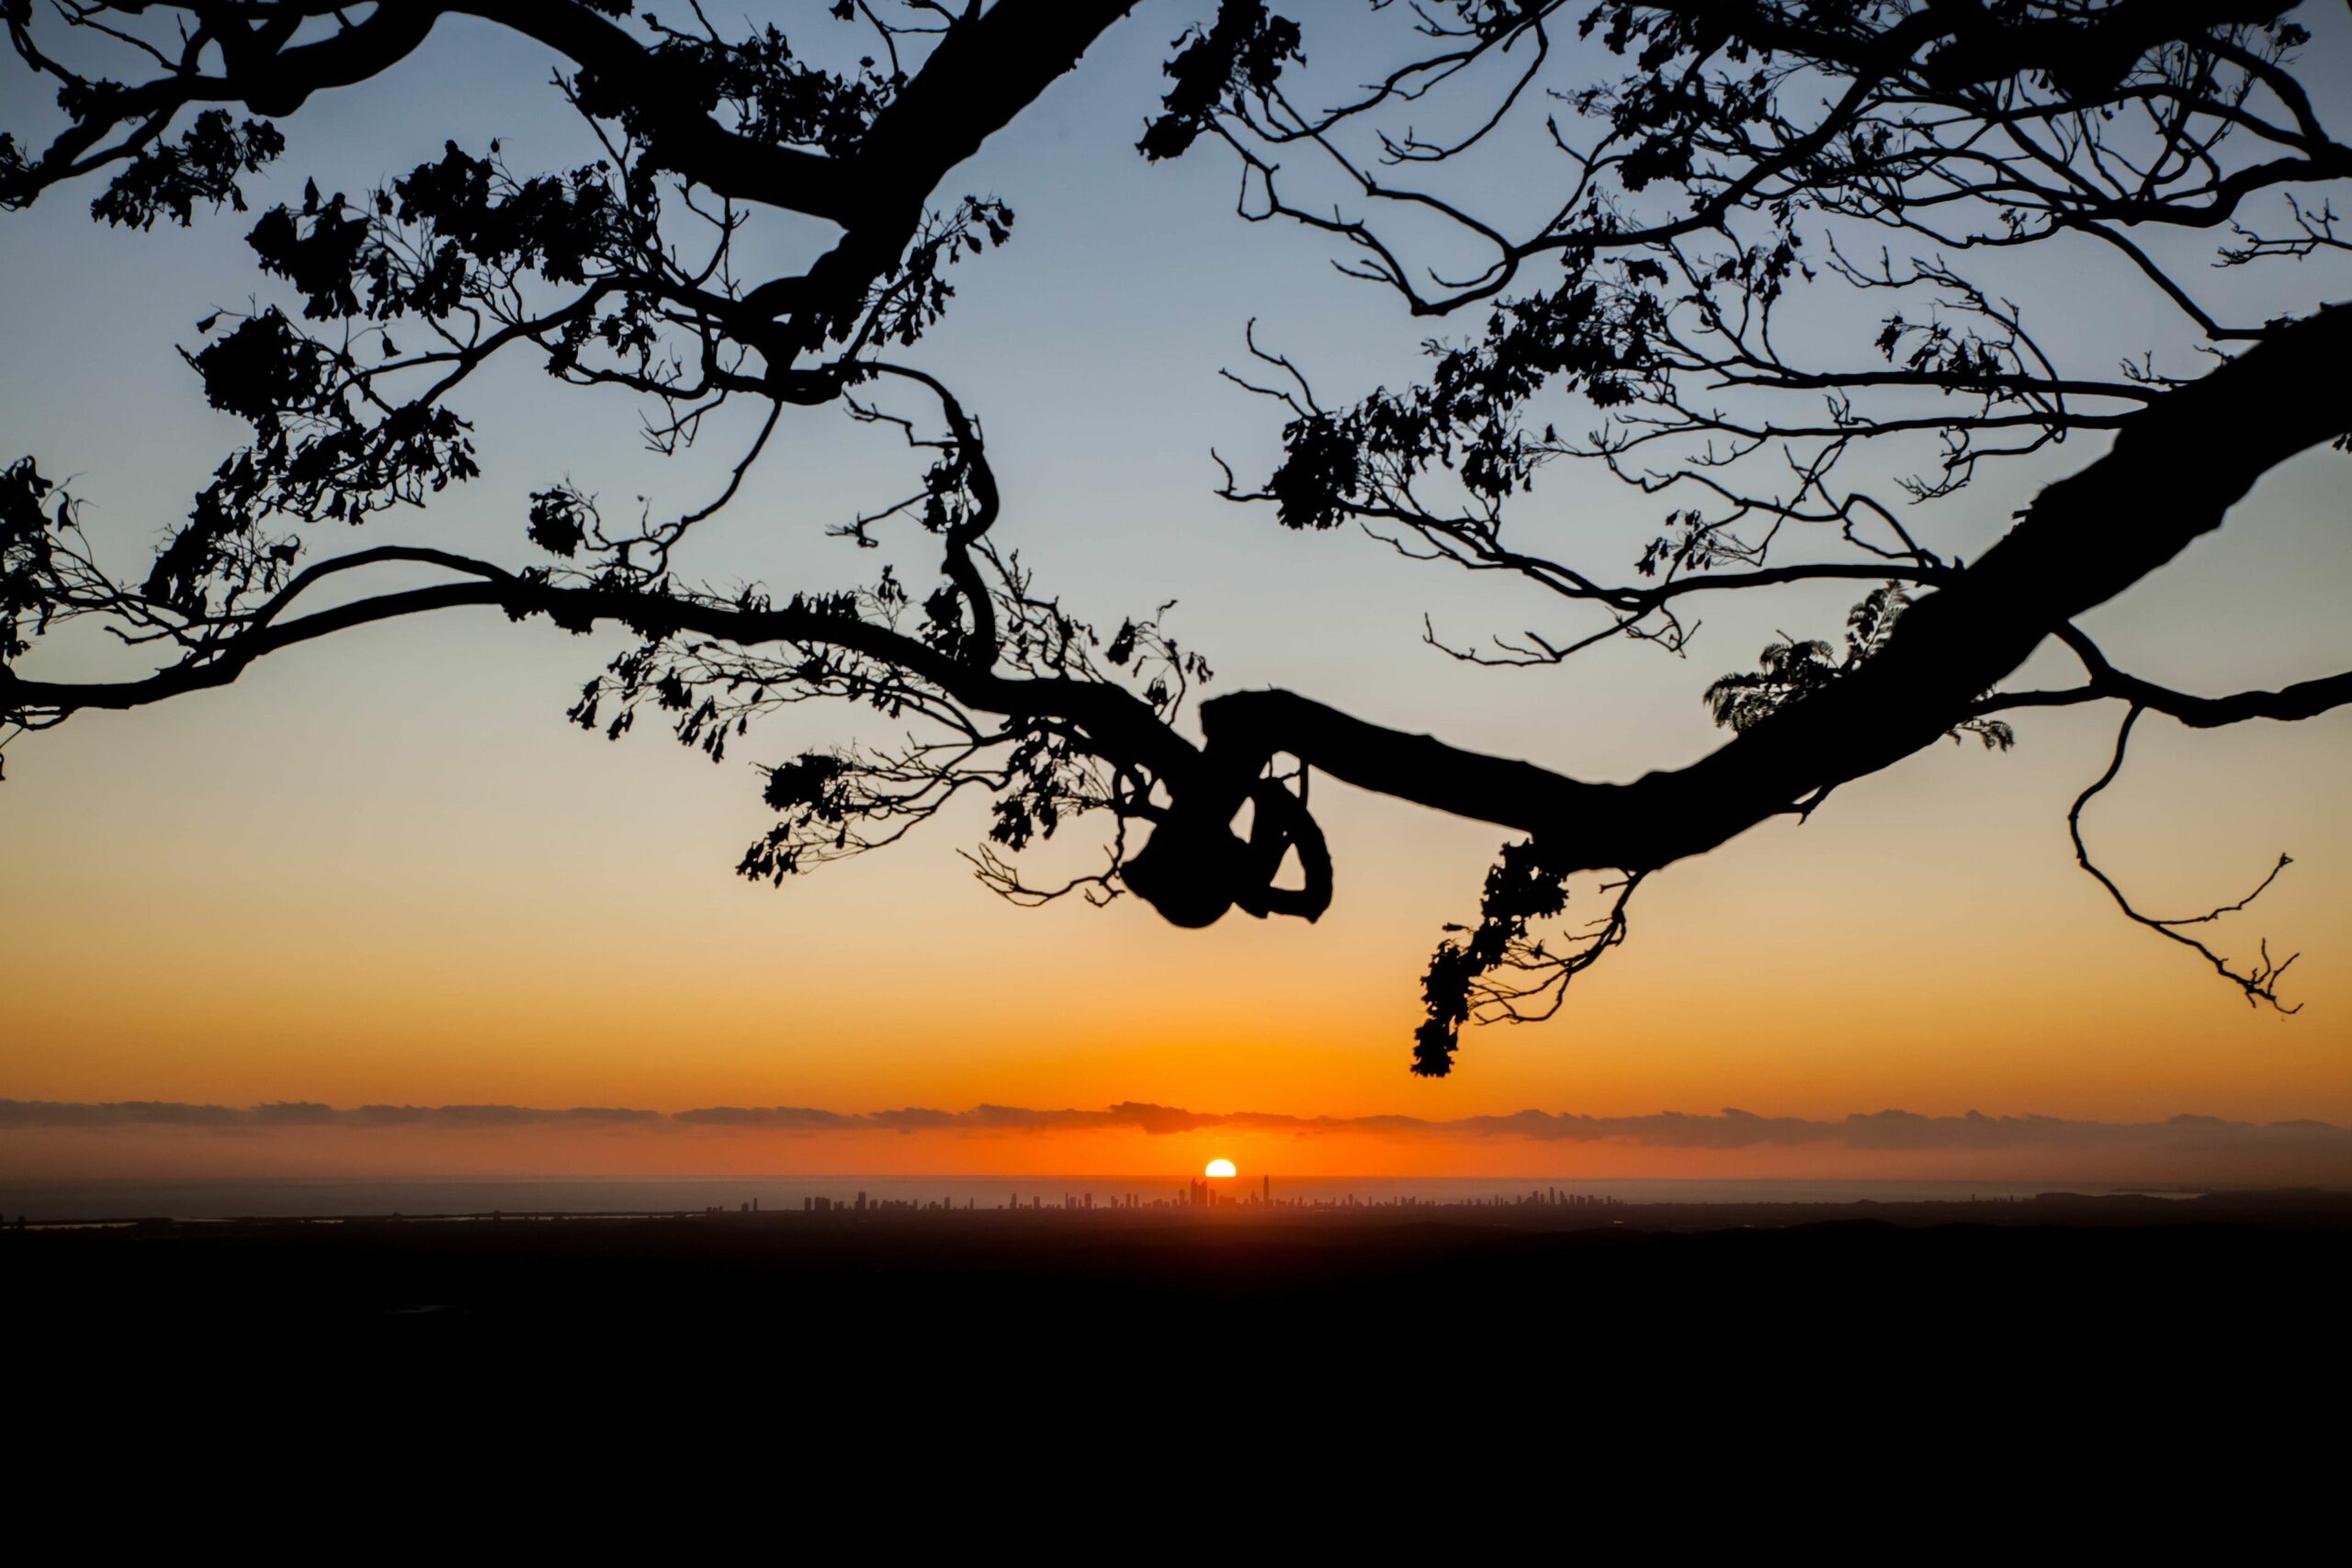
383	870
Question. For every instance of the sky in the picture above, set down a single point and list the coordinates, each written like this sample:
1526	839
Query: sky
384	872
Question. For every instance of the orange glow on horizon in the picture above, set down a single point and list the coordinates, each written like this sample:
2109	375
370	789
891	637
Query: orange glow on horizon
458	952
379	871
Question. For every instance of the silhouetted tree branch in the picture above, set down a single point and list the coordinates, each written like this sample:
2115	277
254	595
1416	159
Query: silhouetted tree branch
1755	151
2259	982
1743	155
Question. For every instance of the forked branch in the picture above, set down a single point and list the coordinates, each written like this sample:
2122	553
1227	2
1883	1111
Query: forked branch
2259	980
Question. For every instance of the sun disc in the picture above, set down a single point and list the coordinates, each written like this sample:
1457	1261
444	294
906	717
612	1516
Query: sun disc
1221	1168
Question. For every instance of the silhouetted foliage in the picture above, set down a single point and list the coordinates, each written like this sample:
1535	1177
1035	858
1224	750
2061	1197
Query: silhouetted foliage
1789	671
1703	164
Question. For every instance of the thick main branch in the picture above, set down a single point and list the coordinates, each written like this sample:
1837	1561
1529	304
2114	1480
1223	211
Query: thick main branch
2174	472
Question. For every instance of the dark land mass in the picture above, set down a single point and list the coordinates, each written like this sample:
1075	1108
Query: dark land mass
2259	1273
2116	1358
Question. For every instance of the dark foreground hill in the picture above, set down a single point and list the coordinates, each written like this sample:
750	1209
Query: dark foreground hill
1922	1381
2120	1275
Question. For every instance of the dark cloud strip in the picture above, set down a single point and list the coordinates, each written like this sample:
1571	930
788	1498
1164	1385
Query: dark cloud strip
1730	1129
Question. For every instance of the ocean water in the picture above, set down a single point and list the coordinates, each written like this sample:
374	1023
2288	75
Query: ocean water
89	1201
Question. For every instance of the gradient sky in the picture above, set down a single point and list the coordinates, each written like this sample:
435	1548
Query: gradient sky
383	870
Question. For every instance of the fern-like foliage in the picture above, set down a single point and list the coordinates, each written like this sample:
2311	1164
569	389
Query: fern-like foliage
1789	670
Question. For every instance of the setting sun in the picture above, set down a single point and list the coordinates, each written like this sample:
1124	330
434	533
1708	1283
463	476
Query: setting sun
1221	1168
